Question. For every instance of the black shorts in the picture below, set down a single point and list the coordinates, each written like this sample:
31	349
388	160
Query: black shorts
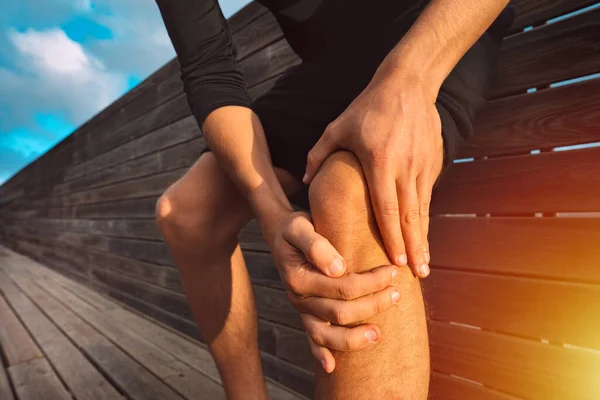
308	96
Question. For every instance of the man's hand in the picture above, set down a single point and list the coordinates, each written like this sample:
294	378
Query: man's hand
394	130
327	297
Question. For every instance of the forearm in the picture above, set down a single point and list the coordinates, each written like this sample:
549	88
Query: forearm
439	38
236	137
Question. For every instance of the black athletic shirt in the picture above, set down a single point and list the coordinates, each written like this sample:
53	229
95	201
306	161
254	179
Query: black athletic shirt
204	46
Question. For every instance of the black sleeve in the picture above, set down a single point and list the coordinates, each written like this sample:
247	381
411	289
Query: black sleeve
205	51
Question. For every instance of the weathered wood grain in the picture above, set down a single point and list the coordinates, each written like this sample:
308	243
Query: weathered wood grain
446	387
16	343
561	116
536	12
540	309
521	367
551	53
6	391
548	182
180	377
555	248
80	376
35	380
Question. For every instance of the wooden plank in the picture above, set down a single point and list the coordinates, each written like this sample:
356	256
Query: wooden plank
153	185
133	208
537	12
129	376
6	392
546	119
540	309
80	376
189	383
446	387
551	53
17	345
194	354
35	380
175	133
556	248
521	367
290	345
566	181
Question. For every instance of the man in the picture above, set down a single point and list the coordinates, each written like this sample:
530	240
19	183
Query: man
359	133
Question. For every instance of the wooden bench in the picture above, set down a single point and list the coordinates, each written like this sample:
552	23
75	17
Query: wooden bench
515	288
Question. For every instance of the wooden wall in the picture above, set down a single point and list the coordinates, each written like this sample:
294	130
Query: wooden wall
514	293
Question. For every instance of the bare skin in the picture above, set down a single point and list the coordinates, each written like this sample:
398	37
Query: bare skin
205	247
200	224
398	367
378	348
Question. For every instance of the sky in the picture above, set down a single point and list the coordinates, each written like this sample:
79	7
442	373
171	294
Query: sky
63	61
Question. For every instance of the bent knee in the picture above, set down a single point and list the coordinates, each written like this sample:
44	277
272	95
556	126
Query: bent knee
339	189
201	209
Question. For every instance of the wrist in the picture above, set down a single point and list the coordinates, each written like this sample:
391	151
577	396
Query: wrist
417	61
269	208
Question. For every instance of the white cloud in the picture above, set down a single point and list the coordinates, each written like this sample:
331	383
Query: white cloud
64	75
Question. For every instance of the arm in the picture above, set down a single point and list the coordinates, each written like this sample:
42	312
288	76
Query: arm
220	103
219	100
394	128
439	39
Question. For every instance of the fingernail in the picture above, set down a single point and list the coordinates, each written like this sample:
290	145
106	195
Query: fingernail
371	335
402	260
305	178
395	297
394	273
427	258
424	270
336	267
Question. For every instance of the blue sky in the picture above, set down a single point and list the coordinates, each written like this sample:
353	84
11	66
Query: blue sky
62	61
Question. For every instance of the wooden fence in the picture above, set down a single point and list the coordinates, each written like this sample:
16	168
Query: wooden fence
515	285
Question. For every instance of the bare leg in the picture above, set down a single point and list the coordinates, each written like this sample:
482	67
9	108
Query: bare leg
200	217
397	367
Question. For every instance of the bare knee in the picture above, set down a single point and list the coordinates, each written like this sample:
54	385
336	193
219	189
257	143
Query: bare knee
341	208
201	211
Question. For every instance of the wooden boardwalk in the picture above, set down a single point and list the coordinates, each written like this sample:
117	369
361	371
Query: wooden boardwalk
61	340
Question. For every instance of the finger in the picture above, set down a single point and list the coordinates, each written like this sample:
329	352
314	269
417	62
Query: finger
424	189
320	151
350	286
338	337
301	234
382	189
411	227
322	354
342	312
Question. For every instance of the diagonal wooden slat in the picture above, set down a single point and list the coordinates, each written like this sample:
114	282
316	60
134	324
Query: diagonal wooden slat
540	309
559	51
520	367
536	12
550	118
554	248
567	181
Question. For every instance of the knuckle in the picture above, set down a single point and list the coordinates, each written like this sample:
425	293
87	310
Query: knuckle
345	291
411	216
424	209
294	284
348	343
340	316
315	334
389	209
